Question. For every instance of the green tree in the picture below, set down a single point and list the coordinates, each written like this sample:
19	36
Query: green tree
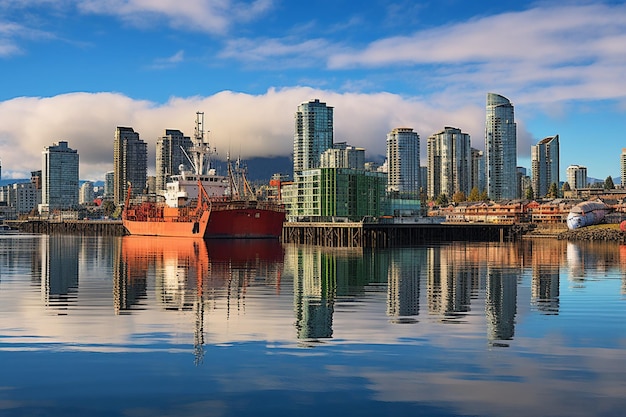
566	187
442	200
474	195
108	207
530	193
608	183
459	197
553	191
484	196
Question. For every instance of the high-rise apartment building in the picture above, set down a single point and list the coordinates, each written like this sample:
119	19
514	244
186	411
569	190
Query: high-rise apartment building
170	155
129	163
403	161
59	178
478	170
86	194
342	155
545	165
577	176
449	163
500	148
523	182
623	168
19	198
313	135
109	185
423	180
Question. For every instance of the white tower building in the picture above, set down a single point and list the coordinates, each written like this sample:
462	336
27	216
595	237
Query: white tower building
545	165
577	176
403	161
449	163
313	135
500	148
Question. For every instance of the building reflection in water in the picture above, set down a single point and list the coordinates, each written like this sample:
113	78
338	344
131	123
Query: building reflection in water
451	281
192	274
501	303
315	289
59	271
130	273
622	264
15	253
403	279
546	262
455	276
503	270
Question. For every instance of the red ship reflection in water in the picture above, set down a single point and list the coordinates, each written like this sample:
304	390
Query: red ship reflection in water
194	274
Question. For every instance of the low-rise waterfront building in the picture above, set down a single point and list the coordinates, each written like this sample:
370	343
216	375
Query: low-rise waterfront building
326	193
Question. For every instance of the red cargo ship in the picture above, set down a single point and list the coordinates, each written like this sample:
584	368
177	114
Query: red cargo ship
205	205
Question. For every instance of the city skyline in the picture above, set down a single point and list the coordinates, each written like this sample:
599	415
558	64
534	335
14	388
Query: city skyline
73	71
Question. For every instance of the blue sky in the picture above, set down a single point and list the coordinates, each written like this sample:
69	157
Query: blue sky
75	69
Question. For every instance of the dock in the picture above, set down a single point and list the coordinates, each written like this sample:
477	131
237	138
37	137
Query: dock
337	234
330	234
69	227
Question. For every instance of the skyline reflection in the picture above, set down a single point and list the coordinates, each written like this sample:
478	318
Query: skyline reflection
169	326
452	283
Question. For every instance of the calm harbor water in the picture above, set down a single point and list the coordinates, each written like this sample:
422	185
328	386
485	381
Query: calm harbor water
133	326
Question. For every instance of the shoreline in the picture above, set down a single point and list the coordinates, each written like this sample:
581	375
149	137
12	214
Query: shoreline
602	232
605	233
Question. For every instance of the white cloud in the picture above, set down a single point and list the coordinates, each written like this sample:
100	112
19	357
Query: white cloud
213	16
550	34
8	34
170	61
291	52
249	125
12	34
545	53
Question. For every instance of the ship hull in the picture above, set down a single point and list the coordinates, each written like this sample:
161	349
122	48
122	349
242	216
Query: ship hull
244	223
159	227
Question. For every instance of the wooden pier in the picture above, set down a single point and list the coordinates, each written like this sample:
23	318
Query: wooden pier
389	235
77	227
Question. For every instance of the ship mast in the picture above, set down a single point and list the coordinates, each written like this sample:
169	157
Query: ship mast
200	150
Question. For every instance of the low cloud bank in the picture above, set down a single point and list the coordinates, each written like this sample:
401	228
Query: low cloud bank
243	124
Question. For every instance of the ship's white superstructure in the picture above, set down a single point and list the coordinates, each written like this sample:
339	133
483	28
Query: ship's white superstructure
183	188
